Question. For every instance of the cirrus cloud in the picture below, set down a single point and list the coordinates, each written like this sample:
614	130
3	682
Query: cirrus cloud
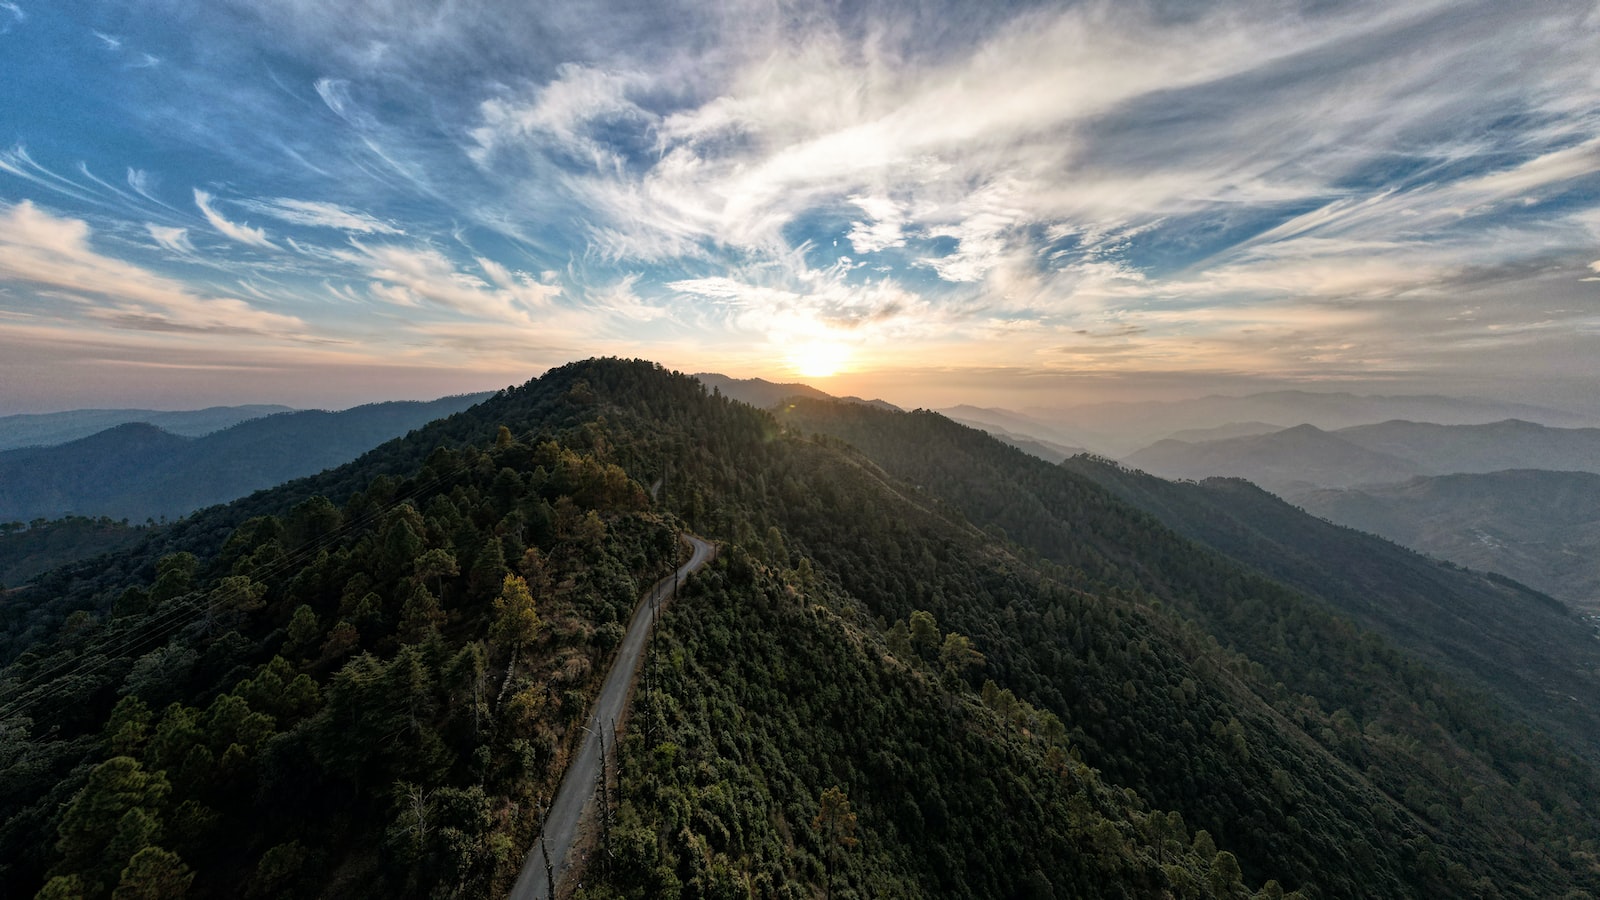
54	253
244	234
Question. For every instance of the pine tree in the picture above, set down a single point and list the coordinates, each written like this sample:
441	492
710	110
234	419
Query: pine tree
153	874
304	630
516	620
420	614
836	825
112	817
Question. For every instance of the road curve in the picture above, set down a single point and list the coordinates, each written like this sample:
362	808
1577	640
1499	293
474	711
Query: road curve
577	790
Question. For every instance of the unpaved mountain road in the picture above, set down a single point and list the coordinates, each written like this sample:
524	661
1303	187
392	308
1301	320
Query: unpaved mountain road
577	790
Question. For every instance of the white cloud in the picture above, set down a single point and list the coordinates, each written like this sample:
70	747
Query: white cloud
18	162
54	253
1067	168
175	240
1434	206
335	93
820	119
244	234
620	300
412	276
826	118
981	243
559	116
111	42
320	214
816	304
885	228
142	183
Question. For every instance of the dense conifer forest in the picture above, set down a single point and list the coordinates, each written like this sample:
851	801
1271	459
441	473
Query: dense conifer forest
922	666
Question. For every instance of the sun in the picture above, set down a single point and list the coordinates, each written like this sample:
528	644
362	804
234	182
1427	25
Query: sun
818	358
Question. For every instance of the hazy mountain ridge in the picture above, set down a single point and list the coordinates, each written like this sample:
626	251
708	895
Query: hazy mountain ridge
1292	456
1382	453
1489	447
1539	527
1023	425
1223	432
138	471
49	429
1512	497
1120	428
764	394
1049	451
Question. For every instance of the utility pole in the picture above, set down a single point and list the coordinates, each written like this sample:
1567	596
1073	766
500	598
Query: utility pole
549	870
605	795
605	776
616	750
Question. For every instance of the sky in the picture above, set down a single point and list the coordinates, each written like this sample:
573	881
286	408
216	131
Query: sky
323	203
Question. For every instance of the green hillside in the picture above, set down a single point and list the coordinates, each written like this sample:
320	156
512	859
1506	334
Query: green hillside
139	471
29	550
927	667
1541	528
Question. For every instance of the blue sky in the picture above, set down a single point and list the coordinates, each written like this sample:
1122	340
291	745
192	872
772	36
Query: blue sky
321	203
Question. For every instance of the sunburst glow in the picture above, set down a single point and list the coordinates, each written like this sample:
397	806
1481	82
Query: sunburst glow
819	358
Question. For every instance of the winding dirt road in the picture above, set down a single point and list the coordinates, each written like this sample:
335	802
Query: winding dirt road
577	791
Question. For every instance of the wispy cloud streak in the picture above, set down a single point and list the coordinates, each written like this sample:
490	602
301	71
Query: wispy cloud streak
54	252
1241	186
320	214
244	234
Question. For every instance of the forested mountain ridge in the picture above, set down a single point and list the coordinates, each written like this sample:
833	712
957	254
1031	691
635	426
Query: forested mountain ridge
1540	527
1493	634
138	471
1498	636
367	679
27	550
49	429
1299	645
762	393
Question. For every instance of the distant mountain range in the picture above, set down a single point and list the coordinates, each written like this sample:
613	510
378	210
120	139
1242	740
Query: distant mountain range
1304	456
139	471
1511	497
1223	432
1541	528
1511	444
764	394
1012	427
48	429
1045	450
1117	429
